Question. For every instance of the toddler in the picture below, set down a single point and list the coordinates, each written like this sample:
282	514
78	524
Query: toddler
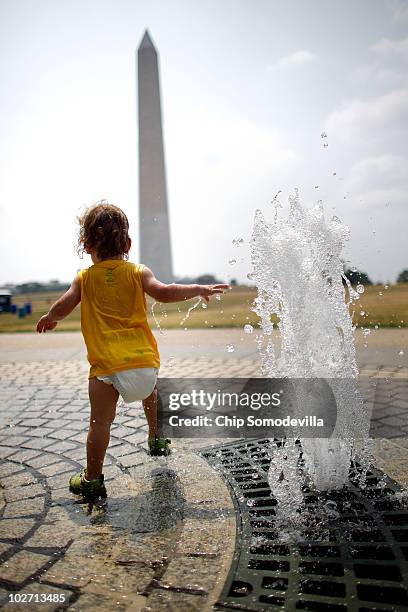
121	348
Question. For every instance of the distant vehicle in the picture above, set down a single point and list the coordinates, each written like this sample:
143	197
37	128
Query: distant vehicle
5	300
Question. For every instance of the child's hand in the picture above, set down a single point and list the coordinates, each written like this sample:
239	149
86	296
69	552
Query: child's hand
45	323
206	291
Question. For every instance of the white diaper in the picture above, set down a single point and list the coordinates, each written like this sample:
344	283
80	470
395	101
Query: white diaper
133	385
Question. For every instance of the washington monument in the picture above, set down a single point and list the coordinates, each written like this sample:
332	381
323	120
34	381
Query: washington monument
154	228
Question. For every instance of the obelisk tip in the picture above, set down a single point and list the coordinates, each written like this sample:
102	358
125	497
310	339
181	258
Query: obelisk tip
146	41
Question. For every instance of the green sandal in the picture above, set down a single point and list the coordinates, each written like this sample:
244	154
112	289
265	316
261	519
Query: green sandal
89	489
158	446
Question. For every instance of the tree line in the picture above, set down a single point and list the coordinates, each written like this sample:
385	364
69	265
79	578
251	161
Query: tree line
359	277
355	277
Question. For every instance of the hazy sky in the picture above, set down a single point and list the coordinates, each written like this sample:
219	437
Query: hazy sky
248	86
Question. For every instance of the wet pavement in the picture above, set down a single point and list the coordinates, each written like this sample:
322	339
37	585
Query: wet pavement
166	537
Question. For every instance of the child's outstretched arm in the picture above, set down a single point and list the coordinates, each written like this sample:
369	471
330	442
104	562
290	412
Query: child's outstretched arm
176	293
62	307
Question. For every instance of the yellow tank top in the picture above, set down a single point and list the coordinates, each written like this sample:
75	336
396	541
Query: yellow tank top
114	318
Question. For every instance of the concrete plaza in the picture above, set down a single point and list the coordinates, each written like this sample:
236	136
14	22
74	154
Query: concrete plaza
166	539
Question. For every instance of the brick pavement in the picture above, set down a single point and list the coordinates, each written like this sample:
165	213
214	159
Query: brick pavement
164	541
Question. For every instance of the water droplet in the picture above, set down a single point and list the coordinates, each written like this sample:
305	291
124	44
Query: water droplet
366	332
380	293
363	313
250	503
238	242
218	297
360	289
248	329
326	144
203	305
232	262
386	286
401	353
250	276
330	505
230	348
323	135
353	269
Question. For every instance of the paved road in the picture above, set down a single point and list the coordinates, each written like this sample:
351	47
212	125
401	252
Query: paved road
383	346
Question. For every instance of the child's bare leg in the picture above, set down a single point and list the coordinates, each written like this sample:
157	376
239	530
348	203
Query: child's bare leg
103	400
150	409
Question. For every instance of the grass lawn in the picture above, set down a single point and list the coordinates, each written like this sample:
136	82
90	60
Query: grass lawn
383	307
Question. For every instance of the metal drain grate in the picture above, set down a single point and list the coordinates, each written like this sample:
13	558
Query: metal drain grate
357	562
